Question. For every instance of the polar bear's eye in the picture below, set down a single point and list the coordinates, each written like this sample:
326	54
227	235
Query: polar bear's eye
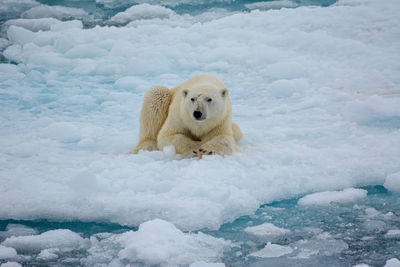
192	99
209	99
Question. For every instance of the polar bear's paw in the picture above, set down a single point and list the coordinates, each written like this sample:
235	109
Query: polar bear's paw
148	145
212	149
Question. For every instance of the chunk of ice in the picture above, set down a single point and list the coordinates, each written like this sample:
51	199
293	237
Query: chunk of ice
272	251
61	238
7	253
326	198
141	11
160	242
392	182
266	230
392	263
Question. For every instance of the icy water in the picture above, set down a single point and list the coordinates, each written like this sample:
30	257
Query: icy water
333	235
315	88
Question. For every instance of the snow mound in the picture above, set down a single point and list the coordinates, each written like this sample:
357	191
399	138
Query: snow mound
348	195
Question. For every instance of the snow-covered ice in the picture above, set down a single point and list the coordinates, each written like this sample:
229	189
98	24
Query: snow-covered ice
314	89
305	131
348	195
160	243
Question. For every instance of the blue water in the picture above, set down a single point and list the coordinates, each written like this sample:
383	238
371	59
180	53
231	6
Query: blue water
345	222
99	13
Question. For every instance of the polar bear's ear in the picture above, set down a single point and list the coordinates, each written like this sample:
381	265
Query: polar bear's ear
224	92
185	93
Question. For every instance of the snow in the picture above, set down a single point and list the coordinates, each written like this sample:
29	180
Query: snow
272	251
266	230
315	91
392	182
348	195
61	238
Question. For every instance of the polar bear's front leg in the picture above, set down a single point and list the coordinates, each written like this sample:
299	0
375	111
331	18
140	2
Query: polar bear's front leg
221	145
183	144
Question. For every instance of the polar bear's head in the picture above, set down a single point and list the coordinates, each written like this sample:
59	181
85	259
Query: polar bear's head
205	103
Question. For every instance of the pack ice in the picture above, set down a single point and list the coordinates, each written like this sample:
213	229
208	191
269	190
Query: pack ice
315	91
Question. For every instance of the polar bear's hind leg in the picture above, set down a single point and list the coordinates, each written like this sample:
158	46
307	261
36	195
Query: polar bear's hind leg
154	111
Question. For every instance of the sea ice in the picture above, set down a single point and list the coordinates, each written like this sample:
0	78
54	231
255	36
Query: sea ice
158	242
11	264
206	264
322	244
393	233
272	251
59	12
326	198
17	230
141	11
315	91
272	5
48	254
392	182
392	263
61	238
266	230
7	253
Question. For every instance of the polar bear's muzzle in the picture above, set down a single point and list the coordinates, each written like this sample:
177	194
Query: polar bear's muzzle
199	116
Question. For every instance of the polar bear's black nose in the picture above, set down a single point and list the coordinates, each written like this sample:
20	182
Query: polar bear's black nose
197	114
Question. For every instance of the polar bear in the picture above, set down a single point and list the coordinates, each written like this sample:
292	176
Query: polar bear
194	117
